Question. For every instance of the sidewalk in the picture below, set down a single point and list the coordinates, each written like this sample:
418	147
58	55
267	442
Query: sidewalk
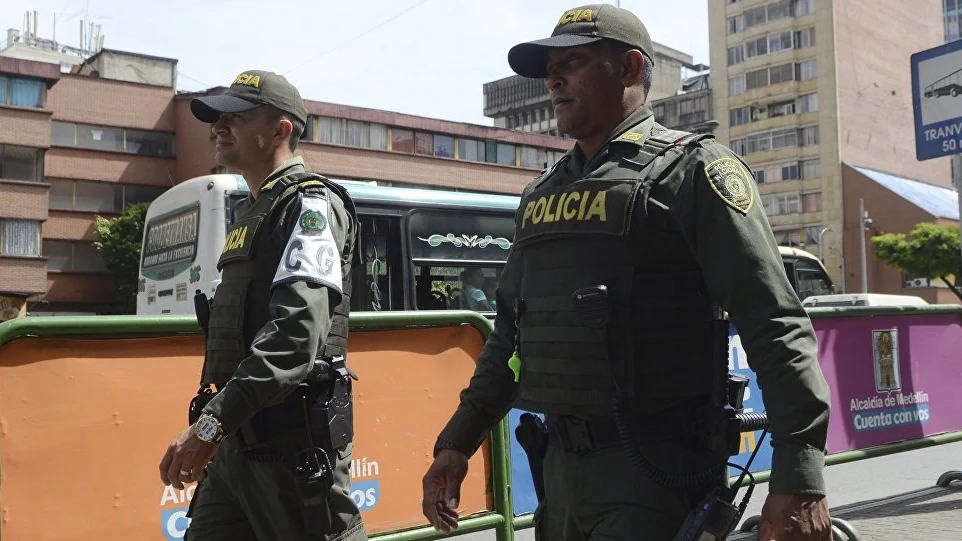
929	514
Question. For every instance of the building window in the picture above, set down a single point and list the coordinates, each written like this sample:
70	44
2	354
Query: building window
810	168
756	47
779	42
790	172
736	55
443	146
805	38
21	92
20	238
506	154
781	74
378	136
424	144
805	70
755	16
111	139
21	163
742	115
803	7
781	109
470	149
735	24
402	140
808	103
756	79
784	139
530	158
810	136
812	202
779	204
64	256
736	85
86	196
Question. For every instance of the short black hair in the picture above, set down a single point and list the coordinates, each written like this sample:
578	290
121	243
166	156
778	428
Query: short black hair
296	131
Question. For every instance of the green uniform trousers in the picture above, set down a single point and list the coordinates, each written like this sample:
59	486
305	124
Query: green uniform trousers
601	495
241	500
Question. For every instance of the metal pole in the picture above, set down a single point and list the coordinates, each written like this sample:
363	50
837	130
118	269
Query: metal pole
861	232
957	173
820	234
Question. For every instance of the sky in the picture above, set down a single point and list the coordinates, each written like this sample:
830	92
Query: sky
422	57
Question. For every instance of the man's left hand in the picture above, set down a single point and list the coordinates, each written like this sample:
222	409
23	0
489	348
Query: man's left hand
187	454
795	517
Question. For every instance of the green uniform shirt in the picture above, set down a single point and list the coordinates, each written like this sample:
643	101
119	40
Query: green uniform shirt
283	351
719	210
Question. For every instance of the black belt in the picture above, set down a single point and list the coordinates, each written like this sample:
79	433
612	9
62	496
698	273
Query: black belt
575	434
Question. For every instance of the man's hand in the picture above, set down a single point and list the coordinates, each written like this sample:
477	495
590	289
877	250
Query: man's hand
188	454
795	517
442	489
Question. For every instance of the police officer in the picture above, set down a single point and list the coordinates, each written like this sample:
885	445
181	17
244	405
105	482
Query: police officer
268	466
671	224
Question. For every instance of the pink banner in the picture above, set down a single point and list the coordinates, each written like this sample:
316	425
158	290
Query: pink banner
893	377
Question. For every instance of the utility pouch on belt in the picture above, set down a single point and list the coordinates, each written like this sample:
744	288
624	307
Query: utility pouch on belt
314	472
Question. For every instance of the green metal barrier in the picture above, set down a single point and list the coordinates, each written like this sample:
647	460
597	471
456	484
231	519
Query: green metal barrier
501	519
102	327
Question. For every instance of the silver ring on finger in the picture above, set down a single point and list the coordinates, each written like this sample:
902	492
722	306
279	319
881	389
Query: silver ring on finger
184	473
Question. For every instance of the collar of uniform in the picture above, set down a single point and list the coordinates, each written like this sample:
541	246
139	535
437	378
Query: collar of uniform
281	170
633	129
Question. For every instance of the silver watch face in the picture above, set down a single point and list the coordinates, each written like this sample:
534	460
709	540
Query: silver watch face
206	428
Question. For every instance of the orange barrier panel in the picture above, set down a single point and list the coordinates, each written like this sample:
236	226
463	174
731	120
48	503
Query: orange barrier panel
84	424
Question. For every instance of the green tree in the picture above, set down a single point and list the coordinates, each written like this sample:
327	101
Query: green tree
119	244
933	251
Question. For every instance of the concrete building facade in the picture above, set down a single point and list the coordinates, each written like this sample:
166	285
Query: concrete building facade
801	86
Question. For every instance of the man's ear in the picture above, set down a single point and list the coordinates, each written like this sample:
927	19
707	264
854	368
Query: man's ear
633	68
283	129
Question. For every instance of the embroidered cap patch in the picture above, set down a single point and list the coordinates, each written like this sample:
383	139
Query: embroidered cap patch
731	182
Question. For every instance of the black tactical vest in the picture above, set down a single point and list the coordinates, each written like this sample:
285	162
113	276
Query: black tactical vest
248	263
606	231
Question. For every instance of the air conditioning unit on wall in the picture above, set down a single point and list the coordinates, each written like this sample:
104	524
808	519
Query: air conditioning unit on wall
917	282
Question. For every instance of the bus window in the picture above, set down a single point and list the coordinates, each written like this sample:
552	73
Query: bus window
458	258
379	284
811	280
456	287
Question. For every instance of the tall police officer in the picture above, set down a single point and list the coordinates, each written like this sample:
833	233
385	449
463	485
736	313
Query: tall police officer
280	422
671	224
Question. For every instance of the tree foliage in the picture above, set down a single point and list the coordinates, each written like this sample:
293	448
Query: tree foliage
119	244
930	251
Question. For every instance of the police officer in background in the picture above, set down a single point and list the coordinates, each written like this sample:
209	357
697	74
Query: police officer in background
271	447
671	224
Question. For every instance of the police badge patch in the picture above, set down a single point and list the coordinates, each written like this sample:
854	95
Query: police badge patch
312	222
732	183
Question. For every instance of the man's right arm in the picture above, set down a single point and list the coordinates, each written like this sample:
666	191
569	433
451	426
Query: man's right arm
492	389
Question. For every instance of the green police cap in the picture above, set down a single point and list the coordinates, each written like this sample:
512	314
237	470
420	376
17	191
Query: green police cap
249	90
577	27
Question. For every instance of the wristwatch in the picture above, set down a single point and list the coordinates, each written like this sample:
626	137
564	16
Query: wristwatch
208	429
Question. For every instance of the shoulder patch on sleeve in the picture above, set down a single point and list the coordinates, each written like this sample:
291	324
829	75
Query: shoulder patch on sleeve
732	183
311	254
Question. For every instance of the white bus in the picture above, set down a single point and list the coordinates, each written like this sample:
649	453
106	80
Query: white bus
416	245
184	230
